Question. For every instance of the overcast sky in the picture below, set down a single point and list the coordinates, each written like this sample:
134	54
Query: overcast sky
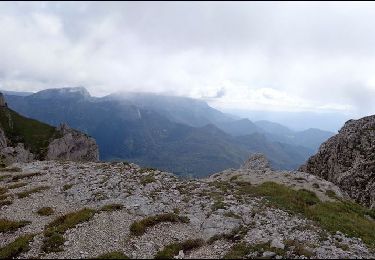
240	55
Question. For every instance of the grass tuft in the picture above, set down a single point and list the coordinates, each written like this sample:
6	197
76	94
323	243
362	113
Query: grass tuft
27	193
169	251
10	226
54	231
17	247
138	228
112	207
45	211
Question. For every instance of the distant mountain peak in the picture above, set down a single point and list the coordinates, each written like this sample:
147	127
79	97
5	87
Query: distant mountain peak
68	92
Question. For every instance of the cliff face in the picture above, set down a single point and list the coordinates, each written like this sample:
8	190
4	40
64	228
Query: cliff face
23	140
72	145
348	160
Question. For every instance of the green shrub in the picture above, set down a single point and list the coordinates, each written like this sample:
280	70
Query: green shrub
147	179
9	225
138	228
54	231
45	211
17	247
171	250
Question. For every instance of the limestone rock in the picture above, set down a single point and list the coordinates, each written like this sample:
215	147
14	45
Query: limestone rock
73	145
348	160
256	161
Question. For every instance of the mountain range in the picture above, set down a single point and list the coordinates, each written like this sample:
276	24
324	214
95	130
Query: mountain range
178	134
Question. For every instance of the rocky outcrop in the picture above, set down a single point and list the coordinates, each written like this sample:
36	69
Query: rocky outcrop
72	145
257	161
348	160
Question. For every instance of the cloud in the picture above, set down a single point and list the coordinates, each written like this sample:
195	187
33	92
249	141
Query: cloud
273	56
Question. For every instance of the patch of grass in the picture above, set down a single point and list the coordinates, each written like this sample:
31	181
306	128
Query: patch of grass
223	186
17	247
147	179
67	186
18	129
138	228
233	178
112	207
219	204
113	255
235	235
27	193
23	176
45	211
4	196
54	231
17	185
169	251
10	226
5	202
3	177
241	250
231	214
331	194
12	169
298	248
347	217
3	190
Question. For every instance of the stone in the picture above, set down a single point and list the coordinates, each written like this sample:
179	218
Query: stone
269	254
276	243
347	159
73	145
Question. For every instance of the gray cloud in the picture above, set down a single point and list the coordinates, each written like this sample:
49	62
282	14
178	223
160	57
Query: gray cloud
288	56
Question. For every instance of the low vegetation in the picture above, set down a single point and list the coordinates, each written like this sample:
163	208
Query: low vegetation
138	228
147	179
45	211
17	247
17	185
113	255
235	235
112	207
12	169
67	186
242	250
171	250
347	217
23	176
10	226
27	193
54	231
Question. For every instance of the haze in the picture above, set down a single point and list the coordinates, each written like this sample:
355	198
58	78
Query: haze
272	58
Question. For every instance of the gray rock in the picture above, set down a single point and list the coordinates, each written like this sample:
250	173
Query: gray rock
348	160
269	254
73	145
276	243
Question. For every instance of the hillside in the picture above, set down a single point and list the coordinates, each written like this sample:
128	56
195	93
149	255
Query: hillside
53	210
23	139
168	133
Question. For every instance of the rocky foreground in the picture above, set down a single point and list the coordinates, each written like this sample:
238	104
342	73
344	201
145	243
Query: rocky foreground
56	209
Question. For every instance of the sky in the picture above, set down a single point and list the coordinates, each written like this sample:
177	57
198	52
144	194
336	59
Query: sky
260	56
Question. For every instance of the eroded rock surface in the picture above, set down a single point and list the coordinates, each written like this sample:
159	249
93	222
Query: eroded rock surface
348	160
213	206
72	145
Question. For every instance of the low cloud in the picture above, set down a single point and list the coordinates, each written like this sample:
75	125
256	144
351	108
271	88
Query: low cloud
274	55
